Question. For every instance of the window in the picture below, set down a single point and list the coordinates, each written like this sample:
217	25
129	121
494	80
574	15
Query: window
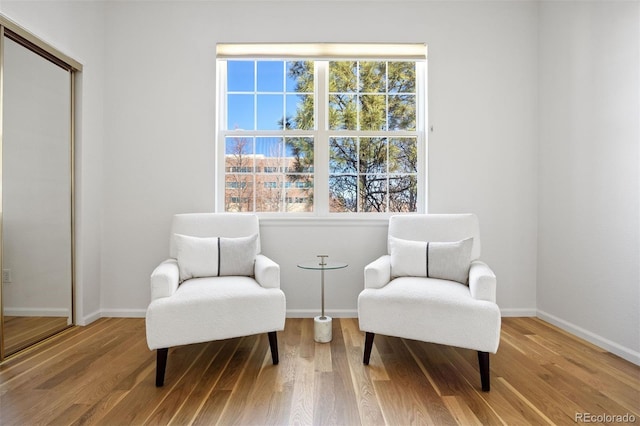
323	135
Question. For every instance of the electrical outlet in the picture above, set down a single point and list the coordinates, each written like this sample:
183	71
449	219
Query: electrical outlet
6	275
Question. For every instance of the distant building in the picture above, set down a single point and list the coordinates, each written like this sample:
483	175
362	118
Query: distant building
257	183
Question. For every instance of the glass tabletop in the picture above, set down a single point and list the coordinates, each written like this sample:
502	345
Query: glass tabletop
328	264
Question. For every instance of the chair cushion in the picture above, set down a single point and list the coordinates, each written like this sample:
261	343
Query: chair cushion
444	260
215	256
214	308
430	310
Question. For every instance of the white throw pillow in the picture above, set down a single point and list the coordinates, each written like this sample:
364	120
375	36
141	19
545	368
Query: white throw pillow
213	256
197	257
238	255
444	260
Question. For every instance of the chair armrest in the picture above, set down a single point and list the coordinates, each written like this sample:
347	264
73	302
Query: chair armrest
482	281
377	274
267	272
165	279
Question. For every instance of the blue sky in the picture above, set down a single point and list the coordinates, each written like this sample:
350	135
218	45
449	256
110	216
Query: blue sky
272	90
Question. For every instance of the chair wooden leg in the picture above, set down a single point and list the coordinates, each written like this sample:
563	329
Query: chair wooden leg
483	361
368	345
161	365
273	343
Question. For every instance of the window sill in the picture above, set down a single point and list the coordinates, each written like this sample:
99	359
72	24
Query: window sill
331	221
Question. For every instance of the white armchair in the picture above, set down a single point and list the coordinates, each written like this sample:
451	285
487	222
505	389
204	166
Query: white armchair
432	287
215	285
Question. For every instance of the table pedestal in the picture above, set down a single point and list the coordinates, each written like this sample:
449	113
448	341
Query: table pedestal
322	323
322	329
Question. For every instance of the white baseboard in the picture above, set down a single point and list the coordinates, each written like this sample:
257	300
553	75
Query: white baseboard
311	313
123	313
36	312
292	313
615	348
111	313
353	313
518	312
88	319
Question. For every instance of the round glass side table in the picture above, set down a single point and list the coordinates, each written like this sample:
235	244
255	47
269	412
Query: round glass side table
322	323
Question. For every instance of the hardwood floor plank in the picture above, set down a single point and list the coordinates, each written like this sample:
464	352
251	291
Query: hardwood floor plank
346	404
69	415
465	365
365	396
620	383
436	368
22	332
264	394
44	353
584	362
401	408
322	358
183	389
205	380
70	386
529	379
575	389
302	396
88	383
234	411
324	402
509	407
298	365
376	368
523	400
143	397
206	401
94	384
213	408
306	345
103	374
75	366
460	411
94	414
234	368
417	398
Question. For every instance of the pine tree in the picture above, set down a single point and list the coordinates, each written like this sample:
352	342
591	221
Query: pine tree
363	95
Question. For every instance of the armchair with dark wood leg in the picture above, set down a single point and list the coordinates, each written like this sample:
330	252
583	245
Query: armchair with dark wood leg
215	285
432	287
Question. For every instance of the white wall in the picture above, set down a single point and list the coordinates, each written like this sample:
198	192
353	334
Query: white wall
77	29
512	130
589	218
159	152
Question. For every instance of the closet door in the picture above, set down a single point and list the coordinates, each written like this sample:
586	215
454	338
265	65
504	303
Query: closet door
37	199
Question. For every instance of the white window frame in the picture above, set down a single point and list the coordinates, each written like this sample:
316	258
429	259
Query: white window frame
321	134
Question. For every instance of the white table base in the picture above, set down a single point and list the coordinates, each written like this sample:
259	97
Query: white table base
322	329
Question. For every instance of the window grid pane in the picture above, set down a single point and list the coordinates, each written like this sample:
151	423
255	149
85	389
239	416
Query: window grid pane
370	174
275	172
372	95
270	95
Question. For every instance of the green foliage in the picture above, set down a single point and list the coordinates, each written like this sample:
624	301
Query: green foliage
376	172
366	174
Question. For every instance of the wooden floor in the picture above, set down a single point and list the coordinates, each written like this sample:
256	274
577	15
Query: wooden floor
22	332
105	374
